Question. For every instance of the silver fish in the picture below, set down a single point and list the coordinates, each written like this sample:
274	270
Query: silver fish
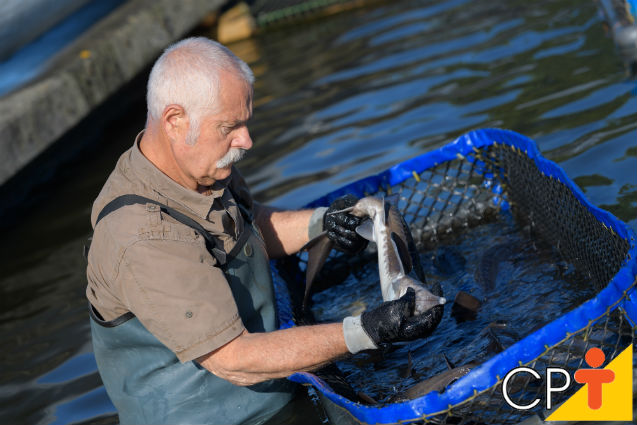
385	227
436	383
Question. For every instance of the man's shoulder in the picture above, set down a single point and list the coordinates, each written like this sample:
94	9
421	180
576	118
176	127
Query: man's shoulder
135	231
123	226
121	181
111	240
118	231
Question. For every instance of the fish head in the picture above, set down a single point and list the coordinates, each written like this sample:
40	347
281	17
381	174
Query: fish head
425	299
369	206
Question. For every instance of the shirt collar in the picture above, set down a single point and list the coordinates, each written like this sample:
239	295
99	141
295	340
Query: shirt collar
171	190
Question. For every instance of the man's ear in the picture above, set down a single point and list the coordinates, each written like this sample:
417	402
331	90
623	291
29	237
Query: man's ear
175	122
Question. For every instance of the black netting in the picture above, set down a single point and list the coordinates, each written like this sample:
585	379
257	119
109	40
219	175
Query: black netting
558	217
448	198
612	333
445	199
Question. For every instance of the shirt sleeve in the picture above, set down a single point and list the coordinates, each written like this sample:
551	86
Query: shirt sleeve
180	296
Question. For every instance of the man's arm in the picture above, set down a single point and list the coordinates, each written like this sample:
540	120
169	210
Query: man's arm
285	232
256	357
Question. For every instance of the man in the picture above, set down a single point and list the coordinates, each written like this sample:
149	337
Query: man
182	311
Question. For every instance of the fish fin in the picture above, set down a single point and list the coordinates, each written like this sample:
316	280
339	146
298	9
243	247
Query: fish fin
448	362
313	241
387	210
396	249
366	230
401	233
403	252
408	369
392	199
497	346
390	202
413	251
316	256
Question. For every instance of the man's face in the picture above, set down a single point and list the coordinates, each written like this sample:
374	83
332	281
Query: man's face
223	135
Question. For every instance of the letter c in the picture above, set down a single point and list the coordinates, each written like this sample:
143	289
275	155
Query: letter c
505	392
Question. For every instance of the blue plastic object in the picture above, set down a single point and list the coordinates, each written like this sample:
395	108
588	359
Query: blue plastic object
619	293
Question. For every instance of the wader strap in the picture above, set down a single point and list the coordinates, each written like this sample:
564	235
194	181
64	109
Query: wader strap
221	256
95	315
245	212
130	199
243	238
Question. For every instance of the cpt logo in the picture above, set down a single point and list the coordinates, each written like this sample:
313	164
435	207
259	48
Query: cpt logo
607	394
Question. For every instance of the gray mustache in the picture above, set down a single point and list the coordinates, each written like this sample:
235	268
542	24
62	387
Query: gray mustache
233	155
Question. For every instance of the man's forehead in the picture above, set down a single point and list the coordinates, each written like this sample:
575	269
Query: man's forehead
231	117
232	112
236	97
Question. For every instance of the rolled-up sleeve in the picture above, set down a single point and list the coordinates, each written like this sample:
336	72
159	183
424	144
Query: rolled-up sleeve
180	296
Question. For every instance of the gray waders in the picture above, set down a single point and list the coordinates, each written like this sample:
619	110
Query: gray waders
149	385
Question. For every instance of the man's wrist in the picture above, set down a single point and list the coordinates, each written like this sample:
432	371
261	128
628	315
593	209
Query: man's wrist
315	227
356	338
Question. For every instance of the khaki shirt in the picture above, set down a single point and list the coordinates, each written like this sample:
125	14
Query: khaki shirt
145	262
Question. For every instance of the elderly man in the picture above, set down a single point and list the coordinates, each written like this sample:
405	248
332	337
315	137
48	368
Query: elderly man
182	312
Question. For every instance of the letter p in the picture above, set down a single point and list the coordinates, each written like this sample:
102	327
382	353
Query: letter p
549	381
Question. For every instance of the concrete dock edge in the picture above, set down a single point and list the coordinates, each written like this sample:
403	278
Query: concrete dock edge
88	71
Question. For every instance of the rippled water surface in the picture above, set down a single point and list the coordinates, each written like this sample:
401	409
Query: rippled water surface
336	99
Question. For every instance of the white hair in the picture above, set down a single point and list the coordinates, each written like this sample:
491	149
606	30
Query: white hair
187	74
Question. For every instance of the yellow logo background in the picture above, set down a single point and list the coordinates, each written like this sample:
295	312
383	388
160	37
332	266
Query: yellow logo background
617	396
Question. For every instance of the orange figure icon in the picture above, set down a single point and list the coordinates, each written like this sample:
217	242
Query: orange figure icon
594	377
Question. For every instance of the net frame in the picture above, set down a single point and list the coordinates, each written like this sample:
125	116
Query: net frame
467	182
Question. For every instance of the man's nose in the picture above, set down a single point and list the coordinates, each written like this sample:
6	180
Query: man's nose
242	139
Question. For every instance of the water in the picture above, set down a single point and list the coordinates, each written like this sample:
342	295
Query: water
515	275
64	22
336	99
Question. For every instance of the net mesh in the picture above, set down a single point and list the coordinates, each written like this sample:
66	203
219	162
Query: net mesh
454	195
612	334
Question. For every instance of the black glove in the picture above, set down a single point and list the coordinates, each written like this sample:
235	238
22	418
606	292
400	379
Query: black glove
341	227
388	322
392	321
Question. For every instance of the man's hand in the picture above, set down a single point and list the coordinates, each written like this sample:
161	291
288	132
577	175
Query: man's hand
392	321
341	227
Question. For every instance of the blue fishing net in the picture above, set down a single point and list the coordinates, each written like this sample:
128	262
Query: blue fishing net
447	191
